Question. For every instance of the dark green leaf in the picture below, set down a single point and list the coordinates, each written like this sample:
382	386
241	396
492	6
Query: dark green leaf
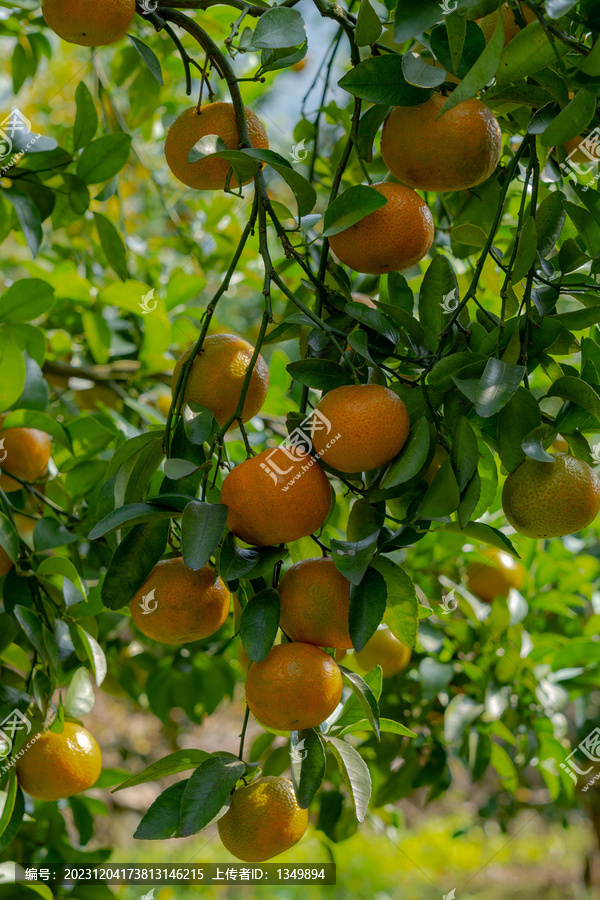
438	298
355	774
279	27
350	207
320	374
367	606
113	245
50	533
520	416
207	792
202	525
32	626
125	516
465	453
25	300
577	391
549	220
9	539
370	123
412	457
86	118
526	252
259	623
533	443
443	495
481	72
352	558
364	695
104	158
401	614
570	121
133	560
308	764
380	80
180	761
421	74
29	218
149	57
368	26
528	52
162	821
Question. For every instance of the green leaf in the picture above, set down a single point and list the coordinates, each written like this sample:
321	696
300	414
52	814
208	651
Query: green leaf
149	57
19	67
526	252
95	655
207	792
520	416
412	18
355	774
50	533
86	118
570	121
352	558
462	365
279	27
80	698
401	614
29	218
494	389
364	695
9	801
202	525
469	234
132	562
162	821
350	207
104	158
479	531
9	539
32	626
528	52
412	457
58	565
308	764
438	298
578	392
368	126
367	606
481	72
386	725
421	74
443	495
465	453
533	443
373	319
457	44
368	26
304	192
549	220
25	300
113	245
180	761
320	374
131	514
259	623
558	8
380	80
197	422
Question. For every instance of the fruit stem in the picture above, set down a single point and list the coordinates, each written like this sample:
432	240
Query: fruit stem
243	733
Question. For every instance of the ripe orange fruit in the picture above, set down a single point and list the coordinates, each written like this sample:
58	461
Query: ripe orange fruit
457	151
488	581
295	686
579	156
60	765
27	454
263	820
214	118
315	604
6	562
385	650
511	29
275	499
217	376
180	604
545	500
394	237
88	23
372	422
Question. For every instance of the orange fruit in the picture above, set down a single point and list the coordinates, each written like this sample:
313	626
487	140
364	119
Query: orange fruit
545	500
457	151
27	454
6	562
488	581
385	650
176	604
372	424
301	64
315	604
511	29
60	765
274	498
295	686
263	820
193	124
579	156
394	237
88	23
217	375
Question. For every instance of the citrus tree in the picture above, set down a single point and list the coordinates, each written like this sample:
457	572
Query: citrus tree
414	411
